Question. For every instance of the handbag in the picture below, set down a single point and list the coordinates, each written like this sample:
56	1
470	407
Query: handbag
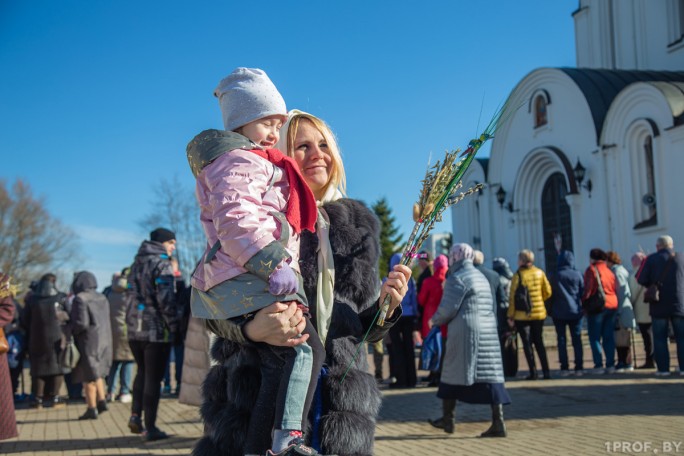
652	293
4	344
69	357
595	303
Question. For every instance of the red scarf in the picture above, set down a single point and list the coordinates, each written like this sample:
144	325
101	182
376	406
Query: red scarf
301	210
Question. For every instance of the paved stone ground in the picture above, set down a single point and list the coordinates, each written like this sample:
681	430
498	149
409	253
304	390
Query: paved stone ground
633	413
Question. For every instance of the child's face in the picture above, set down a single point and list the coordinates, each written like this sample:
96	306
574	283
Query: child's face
265	131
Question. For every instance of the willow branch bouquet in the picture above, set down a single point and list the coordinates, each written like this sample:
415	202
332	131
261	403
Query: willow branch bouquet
6	287
439	191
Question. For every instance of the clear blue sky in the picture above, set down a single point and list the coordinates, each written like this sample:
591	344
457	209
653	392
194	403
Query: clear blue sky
99	99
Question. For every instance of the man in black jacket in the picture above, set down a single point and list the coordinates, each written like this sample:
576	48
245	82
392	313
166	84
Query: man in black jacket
665	268
152	320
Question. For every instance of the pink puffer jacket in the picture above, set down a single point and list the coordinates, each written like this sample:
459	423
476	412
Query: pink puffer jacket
236	194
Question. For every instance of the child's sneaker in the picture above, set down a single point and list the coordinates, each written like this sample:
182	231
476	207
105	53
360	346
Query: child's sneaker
296	448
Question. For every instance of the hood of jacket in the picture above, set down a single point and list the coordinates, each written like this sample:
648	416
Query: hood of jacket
83	281
152	248
566	260
45	288
210	144
501	266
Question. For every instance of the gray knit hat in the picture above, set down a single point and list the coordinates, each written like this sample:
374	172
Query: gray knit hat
247	94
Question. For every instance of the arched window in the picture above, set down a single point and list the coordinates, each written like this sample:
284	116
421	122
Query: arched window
540	117
645	196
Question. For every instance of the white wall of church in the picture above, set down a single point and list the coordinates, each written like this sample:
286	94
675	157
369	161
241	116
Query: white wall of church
629	34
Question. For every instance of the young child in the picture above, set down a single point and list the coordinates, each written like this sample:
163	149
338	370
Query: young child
253	204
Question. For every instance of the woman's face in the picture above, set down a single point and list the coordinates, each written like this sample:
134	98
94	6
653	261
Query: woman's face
313	157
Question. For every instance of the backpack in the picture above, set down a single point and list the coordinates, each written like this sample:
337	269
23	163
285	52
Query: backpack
521	298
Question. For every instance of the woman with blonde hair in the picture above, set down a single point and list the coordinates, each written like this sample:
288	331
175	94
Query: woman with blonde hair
339	266
529	321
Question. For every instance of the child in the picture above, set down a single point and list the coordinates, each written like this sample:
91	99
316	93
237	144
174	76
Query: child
253	205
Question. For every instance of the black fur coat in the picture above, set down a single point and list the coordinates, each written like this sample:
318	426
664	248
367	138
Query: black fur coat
347	426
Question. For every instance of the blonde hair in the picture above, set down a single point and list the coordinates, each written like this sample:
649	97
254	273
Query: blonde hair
526	256
337	179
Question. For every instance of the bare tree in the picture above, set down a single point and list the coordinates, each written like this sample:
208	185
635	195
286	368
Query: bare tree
32	241
175	208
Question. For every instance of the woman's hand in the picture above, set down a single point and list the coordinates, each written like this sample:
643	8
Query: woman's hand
279	324
396	286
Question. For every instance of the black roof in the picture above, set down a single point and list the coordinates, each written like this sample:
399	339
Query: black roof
600	87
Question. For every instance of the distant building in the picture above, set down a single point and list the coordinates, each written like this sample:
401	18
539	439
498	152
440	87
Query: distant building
594	155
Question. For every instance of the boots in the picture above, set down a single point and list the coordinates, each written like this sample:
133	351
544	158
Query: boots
446	422
498	427
90	414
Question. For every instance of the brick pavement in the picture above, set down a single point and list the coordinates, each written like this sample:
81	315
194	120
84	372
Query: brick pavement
587	415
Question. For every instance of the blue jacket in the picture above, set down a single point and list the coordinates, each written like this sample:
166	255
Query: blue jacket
568	286
410	303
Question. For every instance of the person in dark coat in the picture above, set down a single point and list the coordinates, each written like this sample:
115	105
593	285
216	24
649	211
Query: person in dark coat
45	315
92	334
152	321
402	358
567	286
8	420
667	268
495	283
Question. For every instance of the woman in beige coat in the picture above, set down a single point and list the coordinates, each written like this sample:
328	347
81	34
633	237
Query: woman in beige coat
641	311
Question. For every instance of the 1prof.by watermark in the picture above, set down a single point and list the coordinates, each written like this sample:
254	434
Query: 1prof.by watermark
644	446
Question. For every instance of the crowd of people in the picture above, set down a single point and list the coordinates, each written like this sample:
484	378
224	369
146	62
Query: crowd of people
89	341
288	289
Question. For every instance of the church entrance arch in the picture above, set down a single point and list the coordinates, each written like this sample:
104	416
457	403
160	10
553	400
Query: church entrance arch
556	219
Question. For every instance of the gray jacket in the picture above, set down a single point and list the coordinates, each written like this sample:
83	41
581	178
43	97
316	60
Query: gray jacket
473	353
118	304
91	329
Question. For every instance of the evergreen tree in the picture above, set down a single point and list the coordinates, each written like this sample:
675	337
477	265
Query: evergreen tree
390	239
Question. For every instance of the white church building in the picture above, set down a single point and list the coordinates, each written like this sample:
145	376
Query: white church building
593	156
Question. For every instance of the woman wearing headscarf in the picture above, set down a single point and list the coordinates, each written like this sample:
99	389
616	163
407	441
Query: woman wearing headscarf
339	267
530	324
472	370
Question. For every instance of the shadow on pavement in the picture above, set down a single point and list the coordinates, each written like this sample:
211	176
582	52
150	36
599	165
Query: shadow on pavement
73	445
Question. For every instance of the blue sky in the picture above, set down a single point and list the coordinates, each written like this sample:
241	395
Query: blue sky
99	99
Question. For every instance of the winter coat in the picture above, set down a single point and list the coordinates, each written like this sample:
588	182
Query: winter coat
498	290
118	304
427	272
473	353
608	281
671	302
153	314
429	298
347	423
567	287
624	294
641	310
237	194
45	313
539	288
8	421
196	362
91	328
